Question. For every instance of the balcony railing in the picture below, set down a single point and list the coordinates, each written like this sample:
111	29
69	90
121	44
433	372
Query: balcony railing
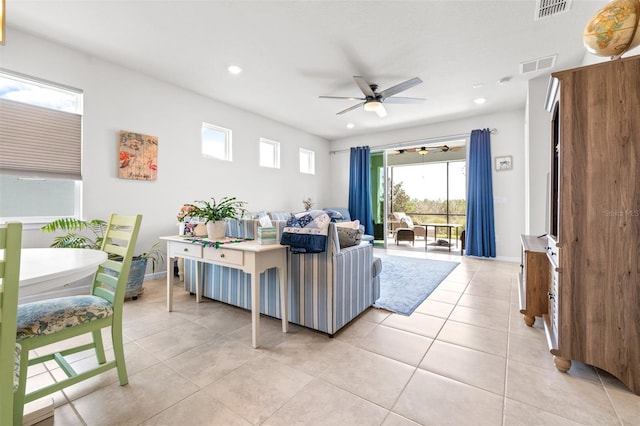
424	218
420	218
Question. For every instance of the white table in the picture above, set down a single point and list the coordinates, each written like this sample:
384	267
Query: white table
248	256
47	269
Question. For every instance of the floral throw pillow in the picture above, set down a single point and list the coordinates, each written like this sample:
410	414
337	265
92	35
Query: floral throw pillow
349	236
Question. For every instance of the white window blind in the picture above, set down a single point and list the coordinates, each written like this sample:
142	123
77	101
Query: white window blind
39	142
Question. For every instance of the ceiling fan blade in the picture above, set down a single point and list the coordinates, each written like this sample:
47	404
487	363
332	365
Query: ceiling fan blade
401	100
342	97
364	86
381	111
350	108
400	87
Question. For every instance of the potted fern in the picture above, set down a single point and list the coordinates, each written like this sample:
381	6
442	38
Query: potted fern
74	238
214	213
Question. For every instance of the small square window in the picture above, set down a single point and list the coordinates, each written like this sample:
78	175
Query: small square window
269	153
307	161
216	142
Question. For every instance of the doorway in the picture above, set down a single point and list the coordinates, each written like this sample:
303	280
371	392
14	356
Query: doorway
426	183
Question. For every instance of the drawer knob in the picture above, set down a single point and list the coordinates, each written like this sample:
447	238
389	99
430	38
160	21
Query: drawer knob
221	254
186	249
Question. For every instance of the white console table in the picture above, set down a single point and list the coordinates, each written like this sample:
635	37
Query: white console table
248	256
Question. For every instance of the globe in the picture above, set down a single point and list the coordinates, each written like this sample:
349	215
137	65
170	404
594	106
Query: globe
614	29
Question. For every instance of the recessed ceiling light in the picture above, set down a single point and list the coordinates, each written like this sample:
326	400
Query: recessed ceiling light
479	101
478	85
234	69
350	126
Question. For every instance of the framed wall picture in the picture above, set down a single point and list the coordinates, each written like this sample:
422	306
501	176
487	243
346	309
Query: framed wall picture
504	163
137	156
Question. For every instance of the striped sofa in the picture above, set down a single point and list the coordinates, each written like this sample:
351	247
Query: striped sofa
326	290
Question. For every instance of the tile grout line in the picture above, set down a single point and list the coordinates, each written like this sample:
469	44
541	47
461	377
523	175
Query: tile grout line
606	392
506	364
417	367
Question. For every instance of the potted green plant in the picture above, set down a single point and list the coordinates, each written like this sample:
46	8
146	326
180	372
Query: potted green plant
214	213
97	227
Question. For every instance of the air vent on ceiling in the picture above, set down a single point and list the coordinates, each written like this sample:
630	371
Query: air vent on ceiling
548	8
538	64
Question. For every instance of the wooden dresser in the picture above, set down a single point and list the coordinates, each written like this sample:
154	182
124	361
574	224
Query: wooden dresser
594	242
533	279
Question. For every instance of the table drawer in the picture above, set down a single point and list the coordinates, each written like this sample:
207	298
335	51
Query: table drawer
221	255
185	249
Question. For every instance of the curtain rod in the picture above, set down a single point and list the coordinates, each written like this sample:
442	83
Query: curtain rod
414	142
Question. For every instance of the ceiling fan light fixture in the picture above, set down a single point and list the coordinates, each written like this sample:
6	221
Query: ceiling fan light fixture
423	151
234	69
372	106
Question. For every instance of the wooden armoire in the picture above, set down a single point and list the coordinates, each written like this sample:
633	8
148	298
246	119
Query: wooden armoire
594	219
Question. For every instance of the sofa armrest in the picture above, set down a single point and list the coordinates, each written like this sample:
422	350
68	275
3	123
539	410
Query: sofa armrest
353	289
357	258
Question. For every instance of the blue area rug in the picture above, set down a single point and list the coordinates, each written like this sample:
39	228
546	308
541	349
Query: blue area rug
406	282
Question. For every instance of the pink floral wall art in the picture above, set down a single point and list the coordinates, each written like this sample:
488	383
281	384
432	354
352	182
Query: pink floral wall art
137	156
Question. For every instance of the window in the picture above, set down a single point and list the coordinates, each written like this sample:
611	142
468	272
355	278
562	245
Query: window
307	161
269	153
432	192
40	176
216	142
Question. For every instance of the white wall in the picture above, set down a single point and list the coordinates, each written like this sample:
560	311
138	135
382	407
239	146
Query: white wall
538	155
508	186
119	99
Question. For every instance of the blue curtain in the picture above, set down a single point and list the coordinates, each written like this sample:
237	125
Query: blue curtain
480	234
360	188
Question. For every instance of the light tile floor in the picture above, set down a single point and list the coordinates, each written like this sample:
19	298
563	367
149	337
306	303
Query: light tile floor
464	357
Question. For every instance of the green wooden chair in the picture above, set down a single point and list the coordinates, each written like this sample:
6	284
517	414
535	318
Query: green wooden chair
54	320
10	242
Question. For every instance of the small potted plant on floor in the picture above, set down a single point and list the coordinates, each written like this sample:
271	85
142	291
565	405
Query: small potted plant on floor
97	227
213	213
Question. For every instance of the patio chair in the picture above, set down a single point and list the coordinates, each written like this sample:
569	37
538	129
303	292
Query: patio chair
48	321
10	242
401	221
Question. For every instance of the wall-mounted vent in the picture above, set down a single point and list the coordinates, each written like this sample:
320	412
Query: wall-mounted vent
538	64
548	8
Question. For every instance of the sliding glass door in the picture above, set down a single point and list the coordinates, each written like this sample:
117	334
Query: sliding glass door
430	192
378	193
428	184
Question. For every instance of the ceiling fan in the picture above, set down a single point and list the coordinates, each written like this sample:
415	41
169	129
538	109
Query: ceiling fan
445	148
373	99
425	150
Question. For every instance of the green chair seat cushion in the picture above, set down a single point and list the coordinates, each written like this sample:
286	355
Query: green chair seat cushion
16	367
53	315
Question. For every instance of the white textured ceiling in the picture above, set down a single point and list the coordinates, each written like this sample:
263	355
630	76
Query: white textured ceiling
293	51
